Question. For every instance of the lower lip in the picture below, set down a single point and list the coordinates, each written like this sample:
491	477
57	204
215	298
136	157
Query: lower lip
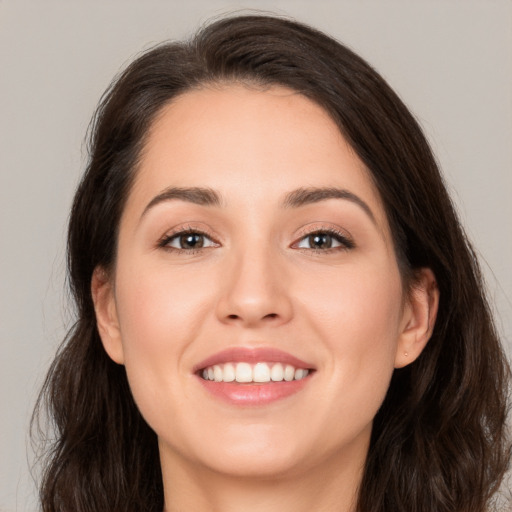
253	394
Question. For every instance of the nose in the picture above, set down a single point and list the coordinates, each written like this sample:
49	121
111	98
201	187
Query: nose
255	291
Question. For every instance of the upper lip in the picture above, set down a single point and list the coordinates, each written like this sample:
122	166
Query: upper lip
252	355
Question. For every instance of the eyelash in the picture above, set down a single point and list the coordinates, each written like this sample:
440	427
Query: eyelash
168	238
345	242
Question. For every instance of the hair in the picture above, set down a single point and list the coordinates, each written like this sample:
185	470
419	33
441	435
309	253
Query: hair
439	441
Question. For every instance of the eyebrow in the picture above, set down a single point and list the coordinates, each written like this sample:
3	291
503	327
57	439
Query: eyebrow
196	195
295	199
305	196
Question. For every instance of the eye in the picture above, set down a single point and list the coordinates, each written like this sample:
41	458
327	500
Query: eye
324	240
187	241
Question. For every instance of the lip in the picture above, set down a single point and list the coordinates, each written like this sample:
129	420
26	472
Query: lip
252	394
252	355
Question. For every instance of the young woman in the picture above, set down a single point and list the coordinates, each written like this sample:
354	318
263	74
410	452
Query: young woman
277	307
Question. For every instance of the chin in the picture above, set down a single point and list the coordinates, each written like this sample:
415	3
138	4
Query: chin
257	464
252	452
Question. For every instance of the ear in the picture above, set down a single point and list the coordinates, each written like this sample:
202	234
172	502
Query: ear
102	291
419	317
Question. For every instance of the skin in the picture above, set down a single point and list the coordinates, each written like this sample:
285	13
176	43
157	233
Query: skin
257	283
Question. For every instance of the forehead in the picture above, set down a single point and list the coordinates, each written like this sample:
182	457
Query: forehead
250	144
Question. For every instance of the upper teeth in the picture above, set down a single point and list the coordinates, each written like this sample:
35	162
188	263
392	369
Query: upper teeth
259	372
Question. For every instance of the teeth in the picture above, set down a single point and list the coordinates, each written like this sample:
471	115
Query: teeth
277	373
299	373
289	373
217	373
243	372
259	372
229	373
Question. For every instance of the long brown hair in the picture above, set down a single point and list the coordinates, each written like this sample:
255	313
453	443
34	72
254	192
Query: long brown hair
439	441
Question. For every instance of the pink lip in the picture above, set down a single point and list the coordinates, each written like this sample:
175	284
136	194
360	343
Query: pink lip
252	394
252	355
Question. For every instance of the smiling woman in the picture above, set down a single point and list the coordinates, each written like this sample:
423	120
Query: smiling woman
277	307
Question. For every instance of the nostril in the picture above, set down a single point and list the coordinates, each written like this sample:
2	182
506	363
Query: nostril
236	317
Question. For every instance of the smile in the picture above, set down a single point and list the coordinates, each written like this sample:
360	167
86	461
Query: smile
253	373
243	376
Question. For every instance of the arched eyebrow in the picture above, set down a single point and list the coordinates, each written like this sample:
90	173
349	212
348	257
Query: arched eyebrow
295	199
305	196
196	195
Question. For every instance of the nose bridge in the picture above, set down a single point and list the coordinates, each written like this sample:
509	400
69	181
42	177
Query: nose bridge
255	287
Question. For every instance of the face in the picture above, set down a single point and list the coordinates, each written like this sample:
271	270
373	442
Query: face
256	300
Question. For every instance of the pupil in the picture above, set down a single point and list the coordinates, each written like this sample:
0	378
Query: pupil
191	241
320	241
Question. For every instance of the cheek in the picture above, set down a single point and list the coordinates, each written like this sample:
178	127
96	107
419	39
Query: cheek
357	314
360	302
160	313
157	306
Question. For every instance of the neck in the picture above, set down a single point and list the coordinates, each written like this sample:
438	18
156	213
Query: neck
328	487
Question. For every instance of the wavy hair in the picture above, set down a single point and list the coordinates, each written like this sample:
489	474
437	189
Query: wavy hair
439	441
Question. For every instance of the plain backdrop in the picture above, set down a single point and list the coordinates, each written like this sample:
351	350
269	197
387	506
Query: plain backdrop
450	61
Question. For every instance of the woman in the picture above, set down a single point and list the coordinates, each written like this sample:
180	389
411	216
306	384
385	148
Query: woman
277	306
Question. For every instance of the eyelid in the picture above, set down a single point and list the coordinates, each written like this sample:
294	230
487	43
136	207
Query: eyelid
183	230
340	234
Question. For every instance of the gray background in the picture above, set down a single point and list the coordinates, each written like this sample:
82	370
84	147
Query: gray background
449	60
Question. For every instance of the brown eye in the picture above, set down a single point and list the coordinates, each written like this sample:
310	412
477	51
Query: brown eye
320	241
324	240
191	241
187	241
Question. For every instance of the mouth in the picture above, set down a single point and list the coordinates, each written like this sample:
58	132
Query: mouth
243	376
247	373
